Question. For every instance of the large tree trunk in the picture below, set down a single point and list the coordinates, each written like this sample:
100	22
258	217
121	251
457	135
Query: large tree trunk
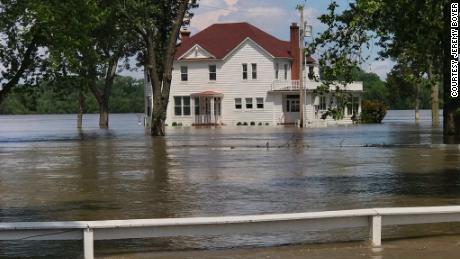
102	95
417	103
434	95
81	109
104	115
160	69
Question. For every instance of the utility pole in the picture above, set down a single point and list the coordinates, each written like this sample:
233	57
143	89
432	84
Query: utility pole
301	61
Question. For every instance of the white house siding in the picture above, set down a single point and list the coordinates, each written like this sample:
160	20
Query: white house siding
231	84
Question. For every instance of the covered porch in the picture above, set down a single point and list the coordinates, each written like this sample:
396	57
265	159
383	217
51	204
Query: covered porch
207	108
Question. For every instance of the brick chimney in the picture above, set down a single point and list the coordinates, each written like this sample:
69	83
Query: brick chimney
184	35
295	51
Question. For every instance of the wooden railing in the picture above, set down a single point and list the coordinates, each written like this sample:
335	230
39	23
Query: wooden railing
88	231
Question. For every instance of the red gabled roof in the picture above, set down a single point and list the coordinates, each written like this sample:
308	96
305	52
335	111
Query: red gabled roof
221	39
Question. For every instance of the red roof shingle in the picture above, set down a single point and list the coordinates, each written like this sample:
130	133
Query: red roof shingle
220	39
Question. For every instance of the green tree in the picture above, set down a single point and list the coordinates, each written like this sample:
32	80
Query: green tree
21	36
157	24
411	32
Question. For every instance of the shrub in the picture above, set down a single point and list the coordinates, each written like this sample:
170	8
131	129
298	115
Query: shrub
174	124
260	124
179	124
239	124
253	123
267	124
245	124
373	112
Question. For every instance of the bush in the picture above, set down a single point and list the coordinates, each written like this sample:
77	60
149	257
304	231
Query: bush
239	124
245	124
267	124
373	112
260	124
174	124
253	123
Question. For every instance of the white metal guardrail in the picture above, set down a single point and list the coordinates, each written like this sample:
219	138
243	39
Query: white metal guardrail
88	231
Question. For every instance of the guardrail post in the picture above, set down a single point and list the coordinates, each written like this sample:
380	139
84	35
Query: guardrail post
88	243
375	230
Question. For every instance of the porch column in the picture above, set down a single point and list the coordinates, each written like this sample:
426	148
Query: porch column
213	115
359	106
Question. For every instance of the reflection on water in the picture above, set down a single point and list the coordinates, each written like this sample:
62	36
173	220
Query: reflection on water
51	171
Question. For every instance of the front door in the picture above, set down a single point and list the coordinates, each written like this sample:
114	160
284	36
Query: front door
291	108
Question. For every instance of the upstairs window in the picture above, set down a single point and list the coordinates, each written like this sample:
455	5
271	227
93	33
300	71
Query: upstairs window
285	71
254	71
249	103
260	103
184	73
245	71
277	70
311	72
212	73
238	104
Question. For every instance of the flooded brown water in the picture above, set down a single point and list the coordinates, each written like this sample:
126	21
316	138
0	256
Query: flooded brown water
50	171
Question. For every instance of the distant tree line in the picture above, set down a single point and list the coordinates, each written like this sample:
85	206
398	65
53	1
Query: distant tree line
58	97
81	46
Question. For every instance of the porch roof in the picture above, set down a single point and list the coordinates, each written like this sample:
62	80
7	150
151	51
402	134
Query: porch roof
208	94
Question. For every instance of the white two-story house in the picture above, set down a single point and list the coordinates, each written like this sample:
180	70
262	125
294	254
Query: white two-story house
237	74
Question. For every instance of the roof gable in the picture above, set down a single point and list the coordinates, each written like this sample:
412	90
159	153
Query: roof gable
221	39
196	52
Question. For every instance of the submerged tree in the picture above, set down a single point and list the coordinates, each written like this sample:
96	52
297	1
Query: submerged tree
157	24
405	28
89	46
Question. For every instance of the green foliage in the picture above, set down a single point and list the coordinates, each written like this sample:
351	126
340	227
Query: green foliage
61	98
373	112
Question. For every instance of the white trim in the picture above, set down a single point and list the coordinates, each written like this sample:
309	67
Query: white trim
196	47
242	44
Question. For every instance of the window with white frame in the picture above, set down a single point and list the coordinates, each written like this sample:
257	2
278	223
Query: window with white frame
292	103
254	71
184	73
238	104
322	103
260	103
212	73
277	70
197	105
249	103
245	71
285	71
350	106
182	105
311	73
